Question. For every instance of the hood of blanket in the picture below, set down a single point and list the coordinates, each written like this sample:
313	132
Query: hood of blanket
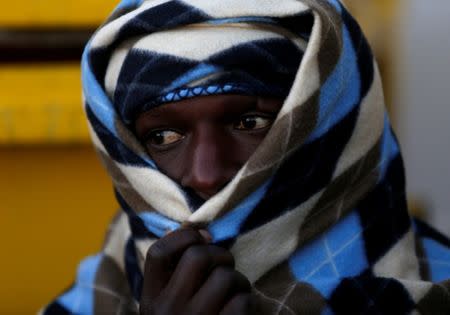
328	148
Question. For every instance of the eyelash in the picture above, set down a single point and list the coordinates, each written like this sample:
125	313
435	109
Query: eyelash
152	136
263	121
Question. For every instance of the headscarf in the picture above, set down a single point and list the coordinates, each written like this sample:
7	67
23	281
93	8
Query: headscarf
317	217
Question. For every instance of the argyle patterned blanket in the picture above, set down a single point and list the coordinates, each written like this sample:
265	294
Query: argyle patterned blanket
317	218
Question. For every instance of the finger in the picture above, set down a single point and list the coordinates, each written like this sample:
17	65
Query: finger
206	235
163	256
221	285
239	304
194	268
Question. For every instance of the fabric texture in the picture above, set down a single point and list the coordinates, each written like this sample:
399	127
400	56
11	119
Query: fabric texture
317	218
198	60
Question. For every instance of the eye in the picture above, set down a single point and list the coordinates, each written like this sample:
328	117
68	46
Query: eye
253	122
163	137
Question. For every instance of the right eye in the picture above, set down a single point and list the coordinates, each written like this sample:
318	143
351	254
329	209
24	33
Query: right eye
163	137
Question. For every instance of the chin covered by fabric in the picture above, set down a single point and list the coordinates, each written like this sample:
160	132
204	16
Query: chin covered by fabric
317	218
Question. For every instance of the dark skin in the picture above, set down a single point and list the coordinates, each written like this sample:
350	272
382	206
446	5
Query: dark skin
200	143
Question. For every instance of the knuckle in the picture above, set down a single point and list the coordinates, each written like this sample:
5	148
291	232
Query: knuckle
188	235
240	303
157	251
165	309
223	274
158	307
224	256
236	281
197	255
173	243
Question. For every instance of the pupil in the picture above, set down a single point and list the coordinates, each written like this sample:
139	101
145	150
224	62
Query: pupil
249	123
158	138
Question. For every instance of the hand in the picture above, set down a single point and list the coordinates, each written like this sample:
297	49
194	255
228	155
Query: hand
186	275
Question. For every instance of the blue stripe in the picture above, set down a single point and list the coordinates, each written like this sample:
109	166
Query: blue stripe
103	110
80	299
99	103
389	147
242	19
327	311
336	4
128	4
438	257
158	224
201	71
338	254
198	91
341	91
229	225
117	150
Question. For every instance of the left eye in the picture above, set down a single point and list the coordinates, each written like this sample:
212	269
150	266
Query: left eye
163	137
253	122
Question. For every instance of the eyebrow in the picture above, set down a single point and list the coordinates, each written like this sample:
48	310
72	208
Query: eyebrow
162	111
154	112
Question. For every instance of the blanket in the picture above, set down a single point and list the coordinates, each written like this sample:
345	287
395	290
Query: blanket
317	218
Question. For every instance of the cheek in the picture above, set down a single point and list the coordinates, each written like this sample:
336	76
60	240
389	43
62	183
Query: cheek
244	145
170	163
233	151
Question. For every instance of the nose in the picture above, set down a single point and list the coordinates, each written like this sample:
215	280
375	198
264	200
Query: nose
209	167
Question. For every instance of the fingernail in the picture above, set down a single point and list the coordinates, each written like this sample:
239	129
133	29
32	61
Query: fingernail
206	235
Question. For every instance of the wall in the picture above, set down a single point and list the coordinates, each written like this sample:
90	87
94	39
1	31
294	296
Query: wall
56	202
423	106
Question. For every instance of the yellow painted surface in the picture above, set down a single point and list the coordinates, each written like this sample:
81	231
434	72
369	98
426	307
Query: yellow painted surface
379	19
41	104
55	12
55	205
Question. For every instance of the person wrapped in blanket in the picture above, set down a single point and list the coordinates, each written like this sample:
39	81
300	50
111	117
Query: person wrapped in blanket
255	167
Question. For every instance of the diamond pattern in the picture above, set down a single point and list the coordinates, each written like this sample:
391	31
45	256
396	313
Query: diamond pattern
334	256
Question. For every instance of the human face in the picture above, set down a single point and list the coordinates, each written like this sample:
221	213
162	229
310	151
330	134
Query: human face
202	142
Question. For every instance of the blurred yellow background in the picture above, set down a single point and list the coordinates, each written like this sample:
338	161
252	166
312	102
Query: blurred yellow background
56	200
41	103
42	13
